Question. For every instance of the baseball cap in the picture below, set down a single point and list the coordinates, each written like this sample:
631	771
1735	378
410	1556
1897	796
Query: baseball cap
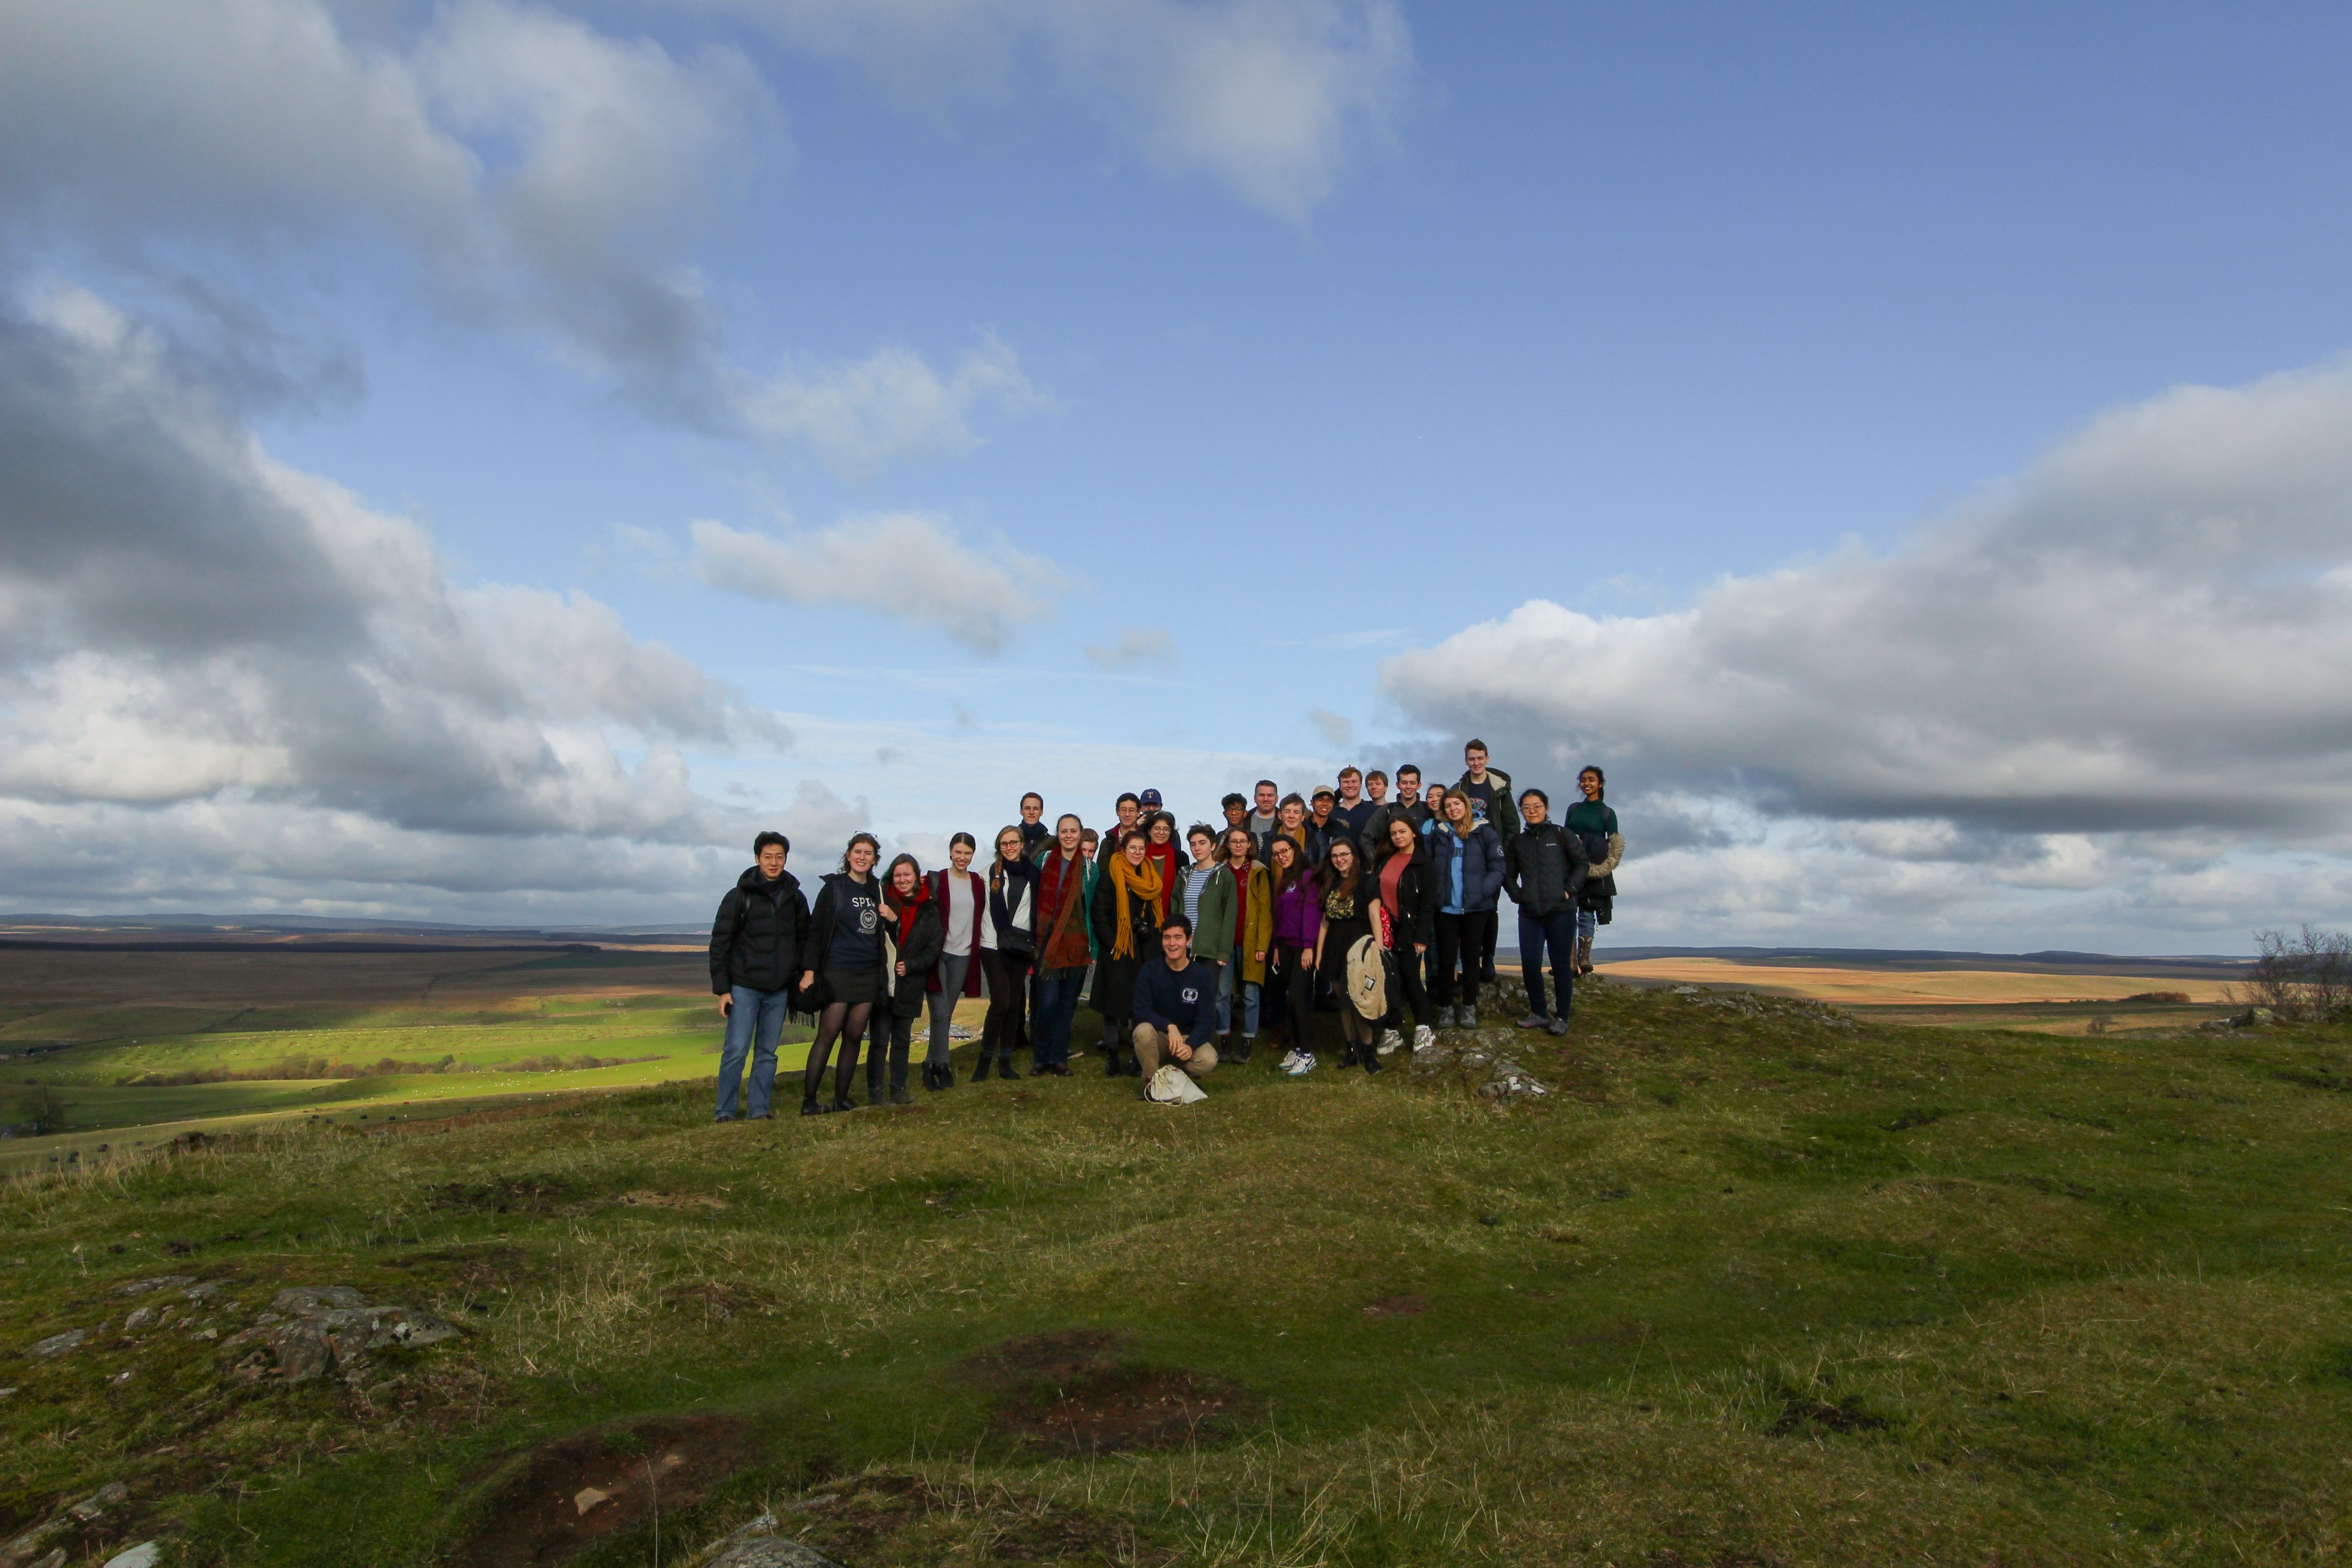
1151	799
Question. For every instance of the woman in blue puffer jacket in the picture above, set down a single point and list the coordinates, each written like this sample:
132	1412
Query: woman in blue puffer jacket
1466	864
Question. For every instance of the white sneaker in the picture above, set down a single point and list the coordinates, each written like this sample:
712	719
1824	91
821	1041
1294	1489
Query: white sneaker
1390	1042
1424	1038
1289	1059
1304	1065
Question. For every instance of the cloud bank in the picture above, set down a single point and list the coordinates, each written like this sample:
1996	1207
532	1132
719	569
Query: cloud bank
198	642
2120	670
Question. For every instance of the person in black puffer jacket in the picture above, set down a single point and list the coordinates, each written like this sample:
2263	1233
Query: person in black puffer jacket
1544	871
755	945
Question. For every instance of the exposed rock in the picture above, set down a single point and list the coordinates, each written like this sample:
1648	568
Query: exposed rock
138	1318
1512	1083
98	1501
58	1344
332	1328
21	1549
56	1558
146	1554
757	1545
203	1292
305	1299
161	1282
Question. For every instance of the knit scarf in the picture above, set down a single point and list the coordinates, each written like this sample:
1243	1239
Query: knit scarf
1143	882
1162	856
908	911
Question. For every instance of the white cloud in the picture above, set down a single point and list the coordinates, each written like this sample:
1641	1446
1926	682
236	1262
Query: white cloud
1272	98
2148	633
1136	645
907	566
888	407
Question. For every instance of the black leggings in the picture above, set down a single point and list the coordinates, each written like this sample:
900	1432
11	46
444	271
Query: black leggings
1008	1000
844	1021
1294	977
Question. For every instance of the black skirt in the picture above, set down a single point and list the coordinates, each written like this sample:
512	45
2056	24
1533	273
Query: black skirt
853	987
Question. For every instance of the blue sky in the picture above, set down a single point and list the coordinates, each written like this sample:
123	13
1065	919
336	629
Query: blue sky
1762	401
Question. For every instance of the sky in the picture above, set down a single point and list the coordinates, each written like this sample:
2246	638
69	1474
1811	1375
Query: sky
485	461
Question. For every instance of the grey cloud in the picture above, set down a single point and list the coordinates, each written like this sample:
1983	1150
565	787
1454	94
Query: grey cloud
2150	629
530	173
183	620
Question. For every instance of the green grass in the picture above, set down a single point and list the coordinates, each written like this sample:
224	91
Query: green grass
1752	1287
93	1087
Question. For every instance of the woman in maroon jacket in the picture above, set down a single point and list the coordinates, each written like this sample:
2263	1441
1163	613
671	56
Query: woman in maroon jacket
963	901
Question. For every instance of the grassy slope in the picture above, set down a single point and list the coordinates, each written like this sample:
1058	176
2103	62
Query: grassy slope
1752	1288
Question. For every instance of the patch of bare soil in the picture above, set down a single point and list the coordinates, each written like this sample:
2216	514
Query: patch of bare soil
1397	1307
1799	1414
569	1494
1070	1393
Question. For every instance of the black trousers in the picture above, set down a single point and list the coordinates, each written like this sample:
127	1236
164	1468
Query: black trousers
1294	979
1461	941
1413	996
1007	974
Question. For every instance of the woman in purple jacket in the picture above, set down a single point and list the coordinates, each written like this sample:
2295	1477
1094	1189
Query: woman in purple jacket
1297	920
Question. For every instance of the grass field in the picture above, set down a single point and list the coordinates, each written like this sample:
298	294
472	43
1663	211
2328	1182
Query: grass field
1754	1283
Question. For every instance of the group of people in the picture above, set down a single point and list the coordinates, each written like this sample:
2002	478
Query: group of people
1382	908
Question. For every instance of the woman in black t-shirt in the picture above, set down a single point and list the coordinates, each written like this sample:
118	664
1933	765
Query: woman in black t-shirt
844	950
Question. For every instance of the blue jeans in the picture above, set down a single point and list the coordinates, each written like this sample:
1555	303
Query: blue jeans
1558	931
1226	981
1057	1006
753	1027
1586	922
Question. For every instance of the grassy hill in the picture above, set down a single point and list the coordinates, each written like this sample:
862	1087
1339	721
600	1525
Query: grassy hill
1753	1283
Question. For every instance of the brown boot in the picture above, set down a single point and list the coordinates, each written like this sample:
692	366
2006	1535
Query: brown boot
1584	955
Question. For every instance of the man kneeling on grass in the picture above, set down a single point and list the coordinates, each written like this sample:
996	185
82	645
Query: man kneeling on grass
1176	1007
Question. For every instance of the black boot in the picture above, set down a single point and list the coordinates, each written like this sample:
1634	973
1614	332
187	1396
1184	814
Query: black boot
1110	1061
898	1095
980	1068
1005	1067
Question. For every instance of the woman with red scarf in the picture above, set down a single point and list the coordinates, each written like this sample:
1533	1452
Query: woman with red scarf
1162	850
912	939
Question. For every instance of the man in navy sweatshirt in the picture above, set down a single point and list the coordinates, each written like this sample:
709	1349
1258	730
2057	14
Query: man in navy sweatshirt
1176	1007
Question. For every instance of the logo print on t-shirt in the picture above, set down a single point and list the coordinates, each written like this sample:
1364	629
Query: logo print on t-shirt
1190	993
867	917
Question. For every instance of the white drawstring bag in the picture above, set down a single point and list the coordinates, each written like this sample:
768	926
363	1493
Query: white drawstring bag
1172	1085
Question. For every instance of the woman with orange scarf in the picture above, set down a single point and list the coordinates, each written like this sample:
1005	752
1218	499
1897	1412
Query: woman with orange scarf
1131	901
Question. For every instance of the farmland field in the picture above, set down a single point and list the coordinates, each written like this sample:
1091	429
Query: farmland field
1751	1282
116	1043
